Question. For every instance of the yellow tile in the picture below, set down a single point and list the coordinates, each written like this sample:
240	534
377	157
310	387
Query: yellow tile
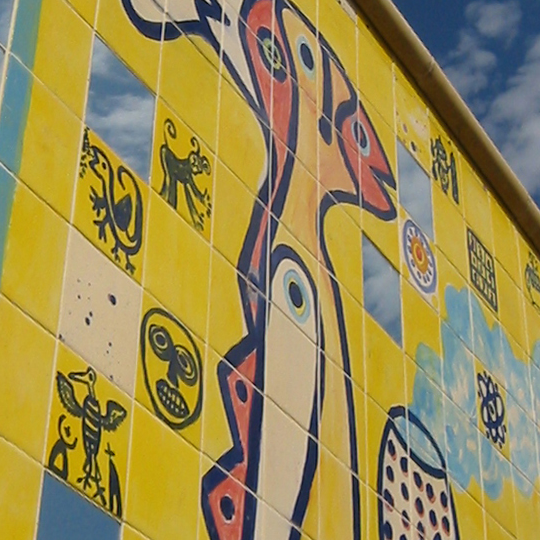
161	334
226	325
338	28
233	209
25	384
62	59
111	205
383	234
503	511
346	256
177	266
334	429
450	229
494	531
530	273
511	306
527	514
532	318
138	52
50	150
95	466
412	125
470	516
376	419
21	482
217	438
86	8
384	366
241	143
446	169
193	98
372	58
420	322
360	418
183	170
477	206
34	258
353	314
163	483
505	241
335	520
131	534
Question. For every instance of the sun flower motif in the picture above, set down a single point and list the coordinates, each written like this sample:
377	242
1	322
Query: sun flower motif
492	409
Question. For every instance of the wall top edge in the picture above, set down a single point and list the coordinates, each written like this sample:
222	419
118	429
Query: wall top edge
450	106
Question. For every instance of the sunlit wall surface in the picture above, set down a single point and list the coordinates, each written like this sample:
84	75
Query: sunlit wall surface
251	288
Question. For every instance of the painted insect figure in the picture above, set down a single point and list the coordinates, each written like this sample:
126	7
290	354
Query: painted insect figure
93	423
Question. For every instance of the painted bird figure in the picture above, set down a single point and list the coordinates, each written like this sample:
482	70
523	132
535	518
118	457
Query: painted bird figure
93	422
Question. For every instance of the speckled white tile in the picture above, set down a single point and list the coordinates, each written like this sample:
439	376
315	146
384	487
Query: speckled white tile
100	312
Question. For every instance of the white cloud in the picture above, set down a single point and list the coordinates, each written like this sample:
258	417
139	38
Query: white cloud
495	20
490	25
513	120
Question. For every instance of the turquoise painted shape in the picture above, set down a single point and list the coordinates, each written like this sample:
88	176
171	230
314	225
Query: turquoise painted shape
7	189
26	31
14	114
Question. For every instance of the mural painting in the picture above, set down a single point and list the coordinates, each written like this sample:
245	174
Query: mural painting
254	329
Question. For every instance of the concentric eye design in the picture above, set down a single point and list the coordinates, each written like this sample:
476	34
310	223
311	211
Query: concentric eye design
297	296
272	54
306	56
419	258
360	135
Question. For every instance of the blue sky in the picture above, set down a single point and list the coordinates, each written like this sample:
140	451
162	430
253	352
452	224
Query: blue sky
490	50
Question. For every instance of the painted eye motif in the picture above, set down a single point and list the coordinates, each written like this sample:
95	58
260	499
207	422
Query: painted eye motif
296	294
272	54
360	135
306	56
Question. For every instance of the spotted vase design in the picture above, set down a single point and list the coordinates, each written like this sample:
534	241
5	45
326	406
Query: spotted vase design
415	498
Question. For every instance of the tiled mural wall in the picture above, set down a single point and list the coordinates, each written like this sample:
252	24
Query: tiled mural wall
250	286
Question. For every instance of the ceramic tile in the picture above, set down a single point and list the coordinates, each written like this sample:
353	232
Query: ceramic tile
50	149
505	241
131	534
34	258
21	478
418	260
420	324
25	384
61	58
171	509
373	58
111	205
183	170
527	512
64	515
384	366
100	312
89	430
494	530
532	318
529	274
412	124
194	98
139	53
86	8
445	162
450	231
233	210
120	109
171	372
7	189
177	268
476	201
512	304
225	305
336	520
471	516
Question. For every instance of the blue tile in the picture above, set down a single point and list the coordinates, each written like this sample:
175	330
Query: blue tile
7	188
66	515
26	31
